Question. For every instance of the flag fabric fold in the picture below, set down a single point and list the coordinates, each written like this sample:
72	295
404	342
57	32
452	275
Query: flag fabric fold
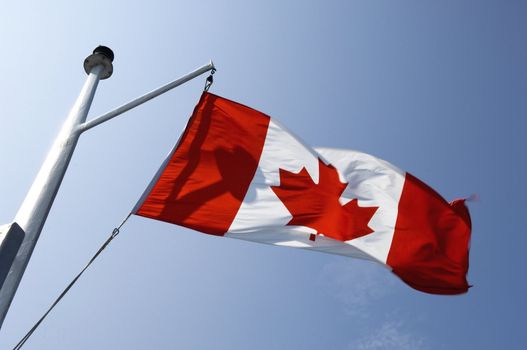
238	173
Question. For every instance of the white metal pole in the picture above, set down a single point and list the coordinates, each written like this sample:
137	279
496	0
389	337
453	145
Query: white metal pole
37	204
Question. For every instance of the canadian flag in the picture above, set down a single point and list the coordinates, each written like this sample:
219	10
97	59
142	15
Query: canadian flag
238	173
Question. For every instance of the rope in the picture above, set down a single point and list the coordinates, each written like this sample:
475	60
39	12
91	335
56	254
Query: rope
114	234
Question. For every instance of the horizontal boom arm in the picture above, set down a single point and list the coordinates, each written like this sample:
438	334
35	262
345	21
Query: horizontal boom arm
142	99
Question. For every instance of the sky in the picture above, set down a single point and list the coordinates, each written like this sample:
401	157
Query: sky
437	88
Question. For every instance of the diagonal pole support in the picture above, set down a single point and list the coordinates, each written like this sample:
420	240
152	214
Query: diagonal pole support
146	97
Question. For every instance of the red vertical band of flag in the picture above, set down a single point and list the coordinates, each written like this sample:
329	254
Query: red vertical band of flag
431	241
205	180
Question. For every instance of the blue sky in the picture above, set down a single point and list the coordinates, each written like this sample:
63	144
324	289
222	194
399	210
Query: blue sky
435	87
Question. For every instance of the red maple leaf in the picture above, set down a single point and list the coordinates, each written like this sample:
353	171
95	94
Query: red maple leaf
317	205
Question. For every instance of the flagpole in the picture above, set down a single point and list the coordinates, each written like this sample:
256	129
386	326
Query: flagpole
18	239
37	204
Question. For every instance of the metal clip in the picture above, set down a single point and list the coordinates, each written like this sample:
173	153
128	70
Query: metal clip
209	80
115	232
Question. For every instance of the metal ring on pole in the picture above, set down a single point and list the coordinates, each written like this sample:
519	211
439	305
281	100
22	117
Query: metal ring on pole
102	55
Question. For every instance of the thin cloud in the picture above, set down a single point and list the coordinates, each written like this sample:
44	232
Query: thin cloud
356	284
392	336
